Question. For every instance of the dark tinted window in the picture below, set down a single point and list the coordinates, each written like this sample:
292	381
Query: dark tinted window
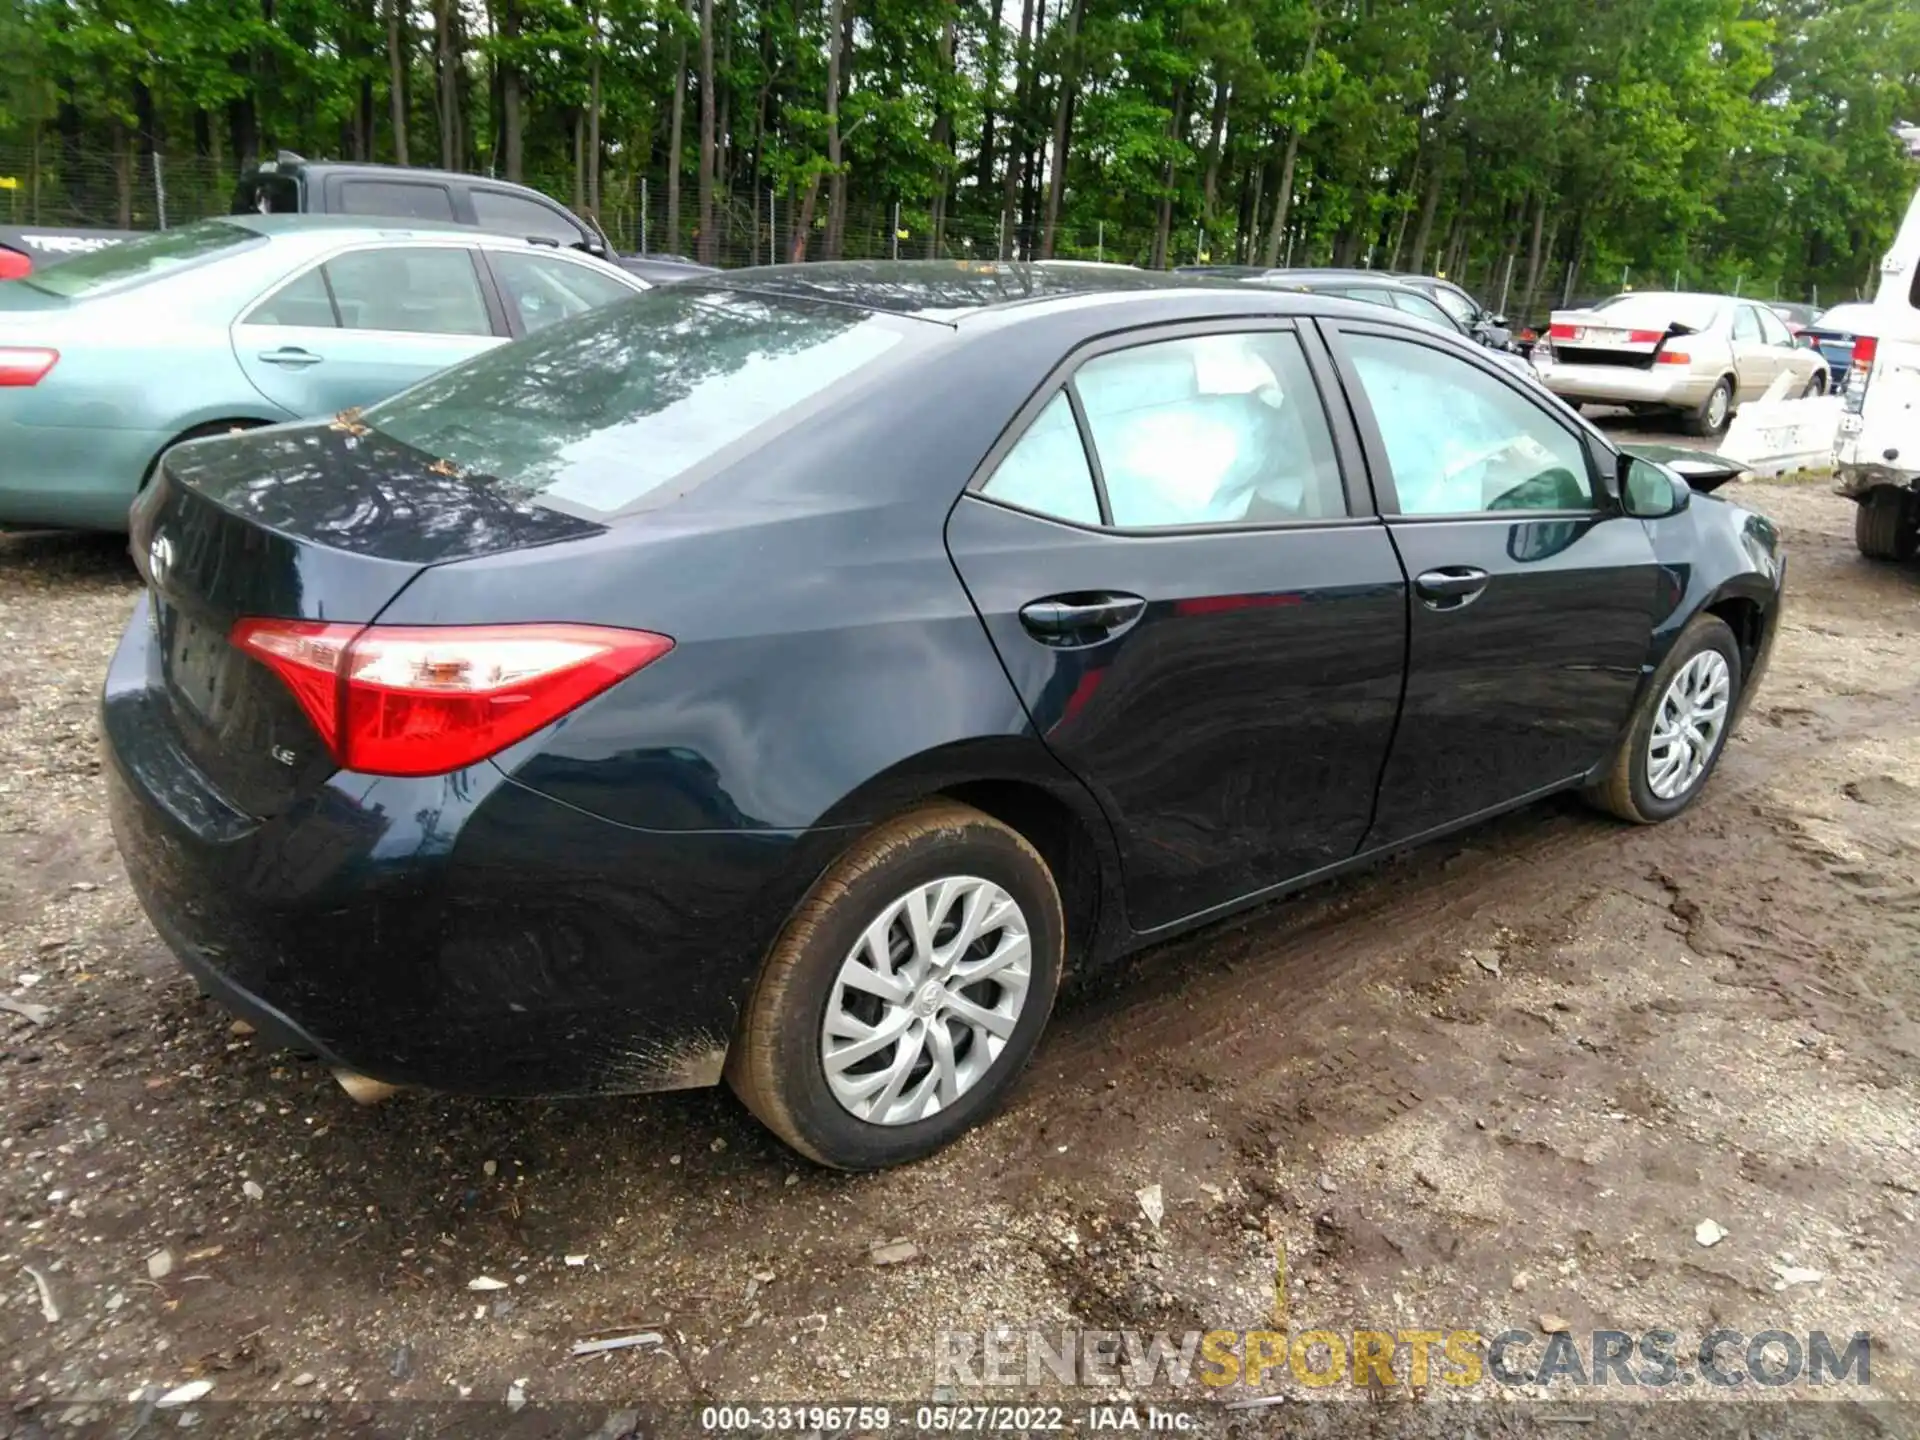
600	412
301	301
403	199
528	219
267	195
432	290
144	259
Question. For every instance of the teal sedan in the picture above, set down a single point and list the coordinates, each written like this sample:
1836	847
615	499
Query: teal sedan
109	360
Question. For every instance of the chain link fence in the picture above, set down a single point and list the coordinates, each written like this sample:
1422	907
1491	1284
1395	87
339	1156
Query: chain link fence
53	184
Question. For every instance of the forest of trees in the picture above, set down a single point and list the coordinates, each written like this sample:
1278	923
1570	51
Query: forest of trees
1547	144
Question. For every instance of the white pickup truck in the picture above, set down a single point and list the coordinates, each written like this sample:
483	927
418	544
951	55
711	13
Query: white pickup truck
1877	457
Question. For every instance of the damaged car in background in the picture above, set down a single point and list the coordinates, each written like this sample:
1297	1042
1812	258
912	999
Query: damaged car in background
1698	356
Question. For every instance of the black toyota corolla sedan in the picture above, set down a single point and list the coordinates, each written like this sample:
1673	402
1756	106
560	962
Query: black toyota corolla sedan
783	676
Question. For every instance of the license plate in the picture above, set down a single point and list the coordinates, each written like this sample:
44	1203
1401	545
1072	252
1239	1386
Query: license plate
1603	337
196	660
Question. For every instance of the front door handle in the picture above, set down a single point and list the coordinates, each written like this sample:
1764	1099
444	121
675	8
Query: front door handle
1081	619
291	356
1450	587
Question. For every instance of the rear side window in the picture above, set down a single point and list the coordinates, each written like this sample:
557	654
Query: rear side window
527	219
302	301
402	199
1209	430
603	412
432	291
142	260
1046	471
1746	323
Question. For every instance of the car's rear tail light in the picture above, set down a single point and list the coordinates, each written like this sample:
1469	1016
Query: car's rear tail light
1673	357
1560	332
14	265
1645	337
1865	347
427	700
25	365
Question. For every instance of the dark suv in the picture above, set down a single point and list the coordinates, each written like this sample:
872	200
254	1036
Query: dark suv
293	184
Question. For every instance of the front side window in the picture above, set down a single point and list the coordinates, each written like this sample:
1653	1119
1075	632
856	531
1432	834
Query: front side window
1419	306
1460	441
544	288
523	218
1457	305
1212	429
1046	471
401	199
432	291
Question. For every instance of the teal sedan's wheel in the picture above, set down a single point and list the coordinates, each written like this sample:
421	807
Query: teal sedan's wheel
198	432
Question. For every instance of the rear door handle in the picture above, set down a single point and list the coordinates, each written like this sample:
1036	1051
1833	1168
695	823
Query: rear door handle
291	356
1450	587
1081	619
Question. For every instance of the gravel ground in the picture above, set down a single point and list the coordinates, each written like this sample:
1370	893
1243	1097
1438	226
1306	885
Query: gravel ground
1497	1085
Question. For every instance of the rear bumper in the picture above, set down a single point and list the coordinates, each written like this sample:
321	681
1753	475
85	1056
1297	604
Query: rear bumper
1625	385
459	933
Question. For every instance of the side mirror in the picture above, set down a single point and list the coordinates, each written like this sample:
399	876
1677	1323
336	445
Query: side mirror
1649	491
1499	322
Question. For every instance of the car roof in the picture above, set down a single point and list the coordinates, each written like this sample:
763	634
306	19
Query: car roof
303	224
946	290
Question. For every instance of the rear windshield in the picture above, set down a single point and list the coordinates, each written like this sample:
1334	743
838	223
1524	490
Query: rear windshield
598	413
138	261
1849	319
1656	312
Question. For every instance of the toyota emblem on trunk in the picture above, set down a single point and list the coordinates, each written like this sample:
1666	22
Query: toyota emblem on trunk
159	560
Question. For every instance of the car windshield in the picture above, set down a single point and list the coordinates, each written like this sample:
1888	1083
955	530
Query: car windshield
141	260
1849	319
598	413
1656	312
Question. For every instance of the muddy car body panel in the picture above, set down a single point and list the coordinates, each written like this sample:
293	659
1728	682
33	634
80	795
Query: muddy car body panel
1187	716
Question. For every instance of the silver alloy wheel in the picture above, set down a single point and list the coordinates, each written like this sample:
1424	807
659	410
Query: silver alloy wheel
1717	405
926	1000
1689	725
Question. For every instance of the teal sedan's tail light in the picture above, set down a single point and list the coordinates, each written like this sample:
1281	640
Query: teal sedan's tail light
25	365
428	700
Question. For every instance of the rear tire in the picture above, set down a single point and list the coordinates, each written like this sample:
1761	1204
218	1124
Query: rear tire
1710	418
1639	787
949	858
1886	524
1816	384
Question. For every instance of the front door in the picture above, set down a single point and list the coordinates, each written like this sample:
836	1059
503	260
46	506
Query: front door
364	325
1198	622
1532	595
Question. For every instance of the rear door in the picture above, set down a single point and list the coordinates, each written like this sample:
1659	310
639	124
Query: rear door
367	323
1174	555
1532	594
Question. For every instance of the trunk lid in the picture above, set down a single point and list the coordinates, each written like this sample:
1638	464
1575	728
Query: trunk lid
323	522
1589	337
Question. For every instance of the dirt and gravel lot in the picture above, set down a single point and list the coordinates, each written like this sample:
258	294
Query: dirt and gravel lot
1498	1084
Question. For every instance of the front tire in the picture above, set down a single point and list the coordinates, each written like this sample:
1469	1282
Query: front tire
906	994
1679	728
1886	524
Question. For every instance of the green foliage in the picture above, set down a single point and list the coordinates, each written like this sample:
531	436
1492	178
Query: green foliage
1723	141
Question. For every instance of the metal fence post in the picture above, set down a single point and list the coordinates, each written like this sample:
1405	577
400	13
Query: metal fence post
895	239
159	191
773	228
642	246
1100	241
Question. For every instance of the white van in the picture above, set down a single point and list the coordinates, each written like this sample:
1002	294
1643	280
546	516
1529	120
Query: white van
1877	458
